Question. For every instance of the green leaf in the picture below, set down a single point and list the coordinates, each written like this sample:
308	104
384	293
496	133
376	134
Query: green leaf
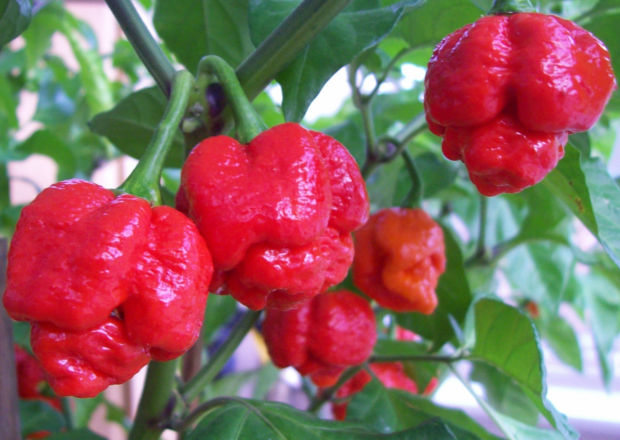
84	408
432	21
56	103
5	199
436	173
591	194
504	394
516	430
76	434
21	334
37	415
562	340
209	27
388	410
14	18
507	340
350	33
548	267
94	80
132	122
237	419
603	21
602	299
454	298
38	36
220	309
46	142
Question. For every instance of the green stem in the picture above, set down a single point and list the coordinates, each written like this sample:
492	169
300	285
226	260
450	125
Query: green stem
511	6
192	388
156	399
388	148
418	358
144	179
386	73
143	43
67	414
285	42
481	249
248	123
413	199
327	394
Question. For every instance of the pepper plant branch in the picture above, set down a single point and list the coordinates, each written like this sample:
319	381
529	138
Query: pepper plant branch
498	251
285	43
414	196
192	388
390	147
446	359
327	393
200	411
155	399
247	122
143	43
365	109
385	74
144	179
481	249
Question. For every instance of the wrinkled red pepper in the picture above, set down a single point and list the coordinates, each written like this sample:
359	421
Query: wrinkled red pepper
277	214
91	269
505	91
321	338
399	257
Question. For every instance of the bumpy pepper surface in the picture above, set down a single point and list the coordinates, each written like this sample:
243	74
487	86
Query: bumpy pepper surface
321	338
391	375
399	256
108	283
505	92
277	214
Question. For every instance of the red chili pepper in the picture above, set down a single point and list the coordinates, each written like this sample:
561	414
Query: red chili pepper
505	91
321	338
277	213
399	256
80	255
31	378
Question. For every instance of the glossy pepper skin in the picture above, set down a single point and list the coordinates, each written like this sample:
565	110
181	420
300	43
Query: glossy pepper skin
399	256
505	92
91	269
391	375
321	338
277	214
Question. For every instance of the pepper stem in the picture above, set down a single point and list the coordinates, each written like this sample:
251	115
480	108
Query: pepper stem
511	6
144	179
248	123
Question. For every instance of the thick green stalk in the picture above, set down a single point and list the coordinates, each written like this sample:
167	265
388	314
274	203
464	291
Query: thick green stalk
144	180
192	388
285	43
413	199
143	43
156	399
247	122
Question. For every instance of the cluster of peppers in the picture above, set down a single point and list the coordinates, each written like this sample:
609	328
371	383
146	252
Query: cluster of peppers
109	281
